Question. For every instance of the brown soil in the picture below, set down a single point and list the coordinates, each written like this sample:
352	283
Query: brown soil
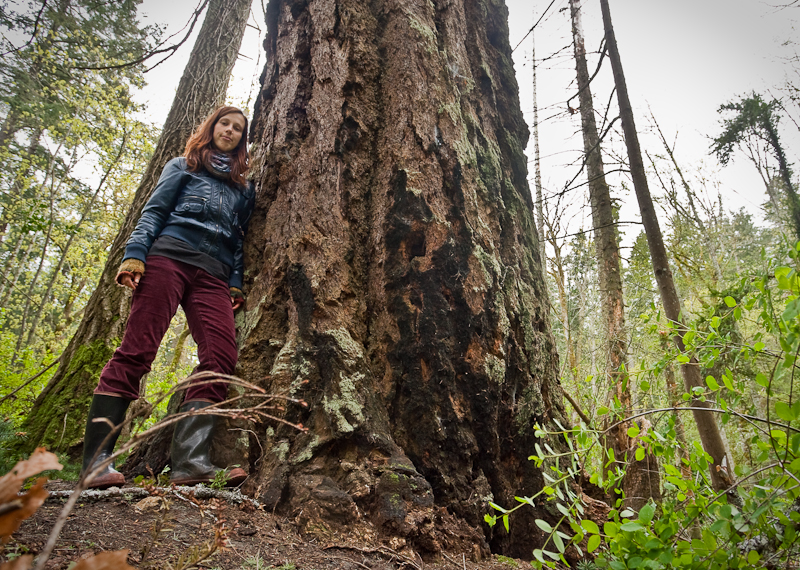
255	539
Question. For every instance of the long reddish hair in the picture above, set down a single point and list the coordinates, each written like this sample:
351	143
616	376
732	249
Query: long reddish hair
200	145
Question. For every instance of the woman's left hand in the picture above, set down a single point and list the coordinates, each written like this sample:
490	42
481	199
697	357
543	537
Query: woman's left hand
237	298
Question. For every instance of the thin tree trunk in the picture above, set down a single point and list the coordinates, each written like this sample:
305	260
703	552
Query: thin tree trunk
707	426
9	128
177	352
16	191
557	273
86	211
537	165
10	260
638	482
21	263
202	88
43	256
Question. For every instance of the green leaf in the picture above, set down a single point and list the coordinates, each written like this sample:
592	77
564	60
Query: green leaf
559	543
762	380
784	412
602	410
590	526
718	525
610	529
792	310
644	385
646	513
728	384
639	453
711	383
594	542
505	522
753	557
544	525
631	527
682	358
730	301
633	431
538	555
778	434
552	555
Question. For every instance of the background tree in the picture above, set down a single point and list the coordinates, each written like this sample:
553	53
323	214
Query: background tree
756	121
640	482
70	142
713	443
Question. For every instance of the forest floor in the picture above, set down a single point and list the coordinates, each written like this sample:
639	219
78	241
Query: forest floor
162	530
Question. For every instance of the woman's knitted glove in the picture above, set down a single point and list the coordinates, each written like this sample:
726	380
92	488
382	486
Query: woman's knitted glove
130	267
237	298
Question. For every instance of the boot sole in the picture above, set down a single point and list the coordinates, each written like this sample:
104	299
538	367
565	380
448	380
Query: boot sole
104	482
235	478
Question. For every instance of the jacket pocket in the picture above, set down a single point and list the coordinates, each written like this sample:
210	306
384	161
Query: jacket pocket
192	206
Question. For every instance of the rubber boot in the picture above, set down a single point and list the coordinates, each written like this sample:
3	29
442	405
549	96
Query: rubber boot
191	445
98	445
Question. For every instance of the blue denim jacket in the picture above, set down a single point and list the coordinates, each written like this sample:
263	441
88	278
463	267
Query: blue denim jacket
205	212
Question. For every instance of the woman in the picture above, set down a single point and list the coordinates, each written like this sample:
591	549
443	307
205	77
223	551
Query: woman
186	249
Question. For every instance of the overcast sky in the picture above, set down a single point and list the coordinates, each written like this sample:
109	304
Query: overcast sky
682	60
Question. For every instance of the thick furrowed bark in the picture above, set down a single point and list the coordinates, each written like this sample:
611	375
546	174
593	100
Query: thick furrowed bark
395	282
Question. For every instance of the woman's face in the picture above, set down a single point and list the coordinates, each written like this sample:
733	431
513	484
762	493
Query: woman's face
228	132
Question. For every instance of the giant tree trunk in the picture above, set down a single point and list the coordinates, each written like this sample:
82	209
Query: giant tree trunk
710	436
58	415
394	279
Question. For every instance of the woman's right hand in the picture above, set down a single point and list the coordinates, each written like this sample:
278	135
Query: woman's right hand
129	273
129	280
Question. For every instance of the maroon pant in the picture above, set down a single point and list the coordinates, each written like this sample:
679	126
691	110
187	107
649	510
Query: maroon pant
206	301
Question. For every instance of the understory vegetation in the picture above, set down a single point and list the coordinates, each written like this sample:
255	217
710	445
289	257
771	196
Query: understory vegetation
747	340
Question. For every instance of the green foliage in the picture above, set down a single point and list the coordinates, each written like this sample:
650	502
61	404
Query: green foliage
220	479
71	153
751	340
